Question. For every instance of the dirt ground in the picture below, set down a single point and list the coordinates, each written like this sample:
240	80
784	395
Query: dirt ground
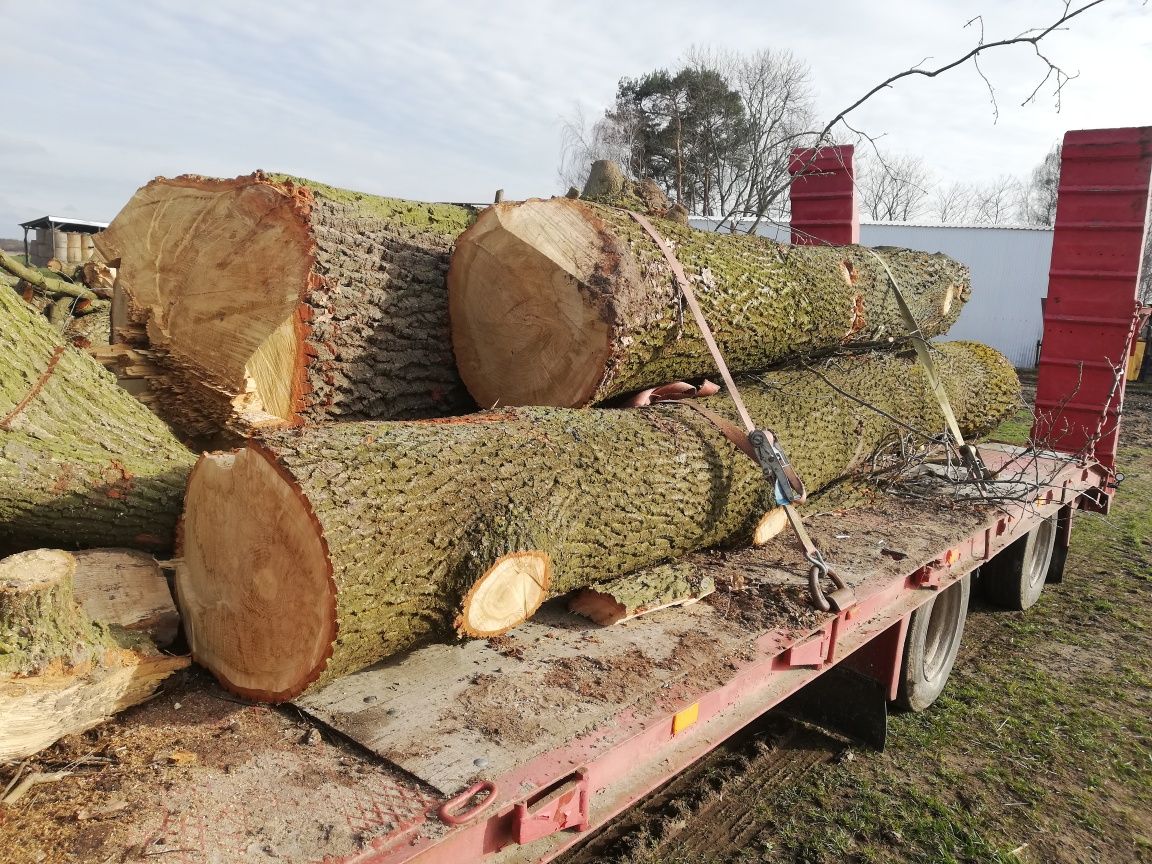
1039	750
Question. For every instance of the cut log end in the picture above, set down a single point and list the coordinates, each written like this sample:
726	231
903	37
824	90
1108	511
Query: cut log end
770	524
254	554
35	571
509	593
531	316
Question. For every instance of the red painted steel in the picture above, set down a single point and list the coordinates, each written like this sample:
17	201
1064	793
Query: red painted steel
1091	309
823	196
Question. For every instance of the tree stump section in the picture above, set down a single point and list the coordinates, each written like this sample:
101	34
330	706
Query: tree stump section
569	303
313	553
60	671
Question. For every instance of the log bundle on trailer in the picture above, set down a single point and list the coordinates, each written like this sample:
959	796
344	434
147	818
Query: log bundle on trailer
82	463
269	300
570	303
316	552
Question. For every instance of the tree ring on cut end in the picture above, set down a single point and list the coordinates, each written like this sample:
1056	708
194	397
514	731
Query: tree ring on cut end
770	524
530	316
509	593
255	583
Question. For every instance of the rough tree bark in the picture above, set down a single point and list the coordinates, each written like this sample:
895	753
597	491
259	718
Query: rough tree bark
316	552
62	672
273	300
82	463
568	303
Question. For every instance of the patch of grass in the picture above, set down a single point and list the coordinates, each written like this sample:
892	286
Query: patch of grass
1044	732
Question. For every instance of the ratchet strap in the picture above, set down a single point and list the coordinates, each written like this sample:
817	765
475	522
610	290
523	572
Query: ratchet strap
971	458
760	445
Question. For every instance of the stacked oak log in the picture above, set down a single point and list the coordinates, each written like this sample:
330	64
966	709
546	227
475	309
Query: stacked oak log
367	510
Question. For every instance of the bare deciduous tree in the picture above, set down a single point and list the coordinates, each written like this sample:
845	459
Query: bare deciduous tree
995	203
1038	195
893	188
952	203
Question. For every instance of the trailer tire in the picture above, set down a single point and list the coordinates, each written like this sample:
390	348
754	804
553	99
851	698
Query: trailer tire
1015	577
930	649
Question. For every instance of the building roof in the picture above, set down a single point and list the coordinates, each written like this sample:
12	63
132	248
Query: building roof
1016	227
63	223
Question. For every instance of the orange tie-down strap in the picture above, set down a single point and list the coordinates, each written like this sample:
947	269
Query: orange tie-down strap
752	440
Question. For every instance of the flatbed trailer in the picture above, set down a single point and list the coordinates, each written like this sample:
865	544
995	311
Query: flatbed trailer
558	727
513	749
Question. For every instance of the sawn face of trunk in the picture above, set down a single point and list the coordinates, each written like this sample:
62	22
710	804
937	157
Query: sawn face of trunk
270	300
318	552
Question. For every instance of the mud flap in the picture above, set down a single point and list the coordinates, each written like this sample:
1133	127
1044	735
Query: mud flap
844	701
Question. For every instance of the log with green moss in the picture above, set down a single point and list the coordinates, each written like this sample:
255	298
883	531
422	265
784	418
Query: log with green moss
82	463
316	552
570	303
269	300
62	672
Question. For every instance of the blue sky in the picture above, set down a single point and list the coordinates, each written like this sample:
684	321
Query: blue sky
449	101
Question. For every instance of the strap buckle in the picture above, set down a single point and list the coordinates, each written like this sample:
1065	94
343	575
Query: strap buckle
787	485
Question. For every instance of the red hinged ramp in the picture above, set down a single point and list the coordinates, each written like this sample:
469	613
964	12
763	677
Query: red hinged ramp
1092	309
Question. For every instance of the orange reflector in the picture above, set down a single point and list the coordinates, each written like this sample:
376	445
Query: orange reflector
685	718
951	556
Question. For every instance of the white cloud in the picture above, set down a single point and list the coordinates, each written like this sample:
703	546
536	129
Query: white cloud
445	100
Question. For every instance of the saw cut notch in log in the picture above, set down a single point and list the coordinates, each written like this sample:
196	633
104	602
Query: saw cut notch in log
269	300
570	303
313	553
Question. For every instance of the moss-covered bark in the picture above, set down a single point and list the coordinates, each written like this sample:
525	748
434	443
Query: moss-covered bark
411	514
82	463
765	302
40	621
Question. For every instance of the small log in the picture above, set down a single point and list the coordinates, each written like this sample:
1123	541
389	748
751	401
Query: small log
60	312
660	587
508	593
61	672
46	284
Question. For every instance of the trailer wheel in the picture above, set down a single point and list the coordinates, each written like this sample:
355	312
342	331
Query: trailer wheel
931	646
1015	577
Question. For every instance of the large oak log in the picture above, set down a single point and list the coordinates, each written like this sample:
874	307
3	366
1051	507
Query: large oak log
62	672
82	463
316	552
273	300
569	303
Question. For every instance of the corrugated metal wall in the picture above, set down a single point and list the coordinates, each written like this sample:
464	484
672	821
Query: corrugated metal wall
1009	276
